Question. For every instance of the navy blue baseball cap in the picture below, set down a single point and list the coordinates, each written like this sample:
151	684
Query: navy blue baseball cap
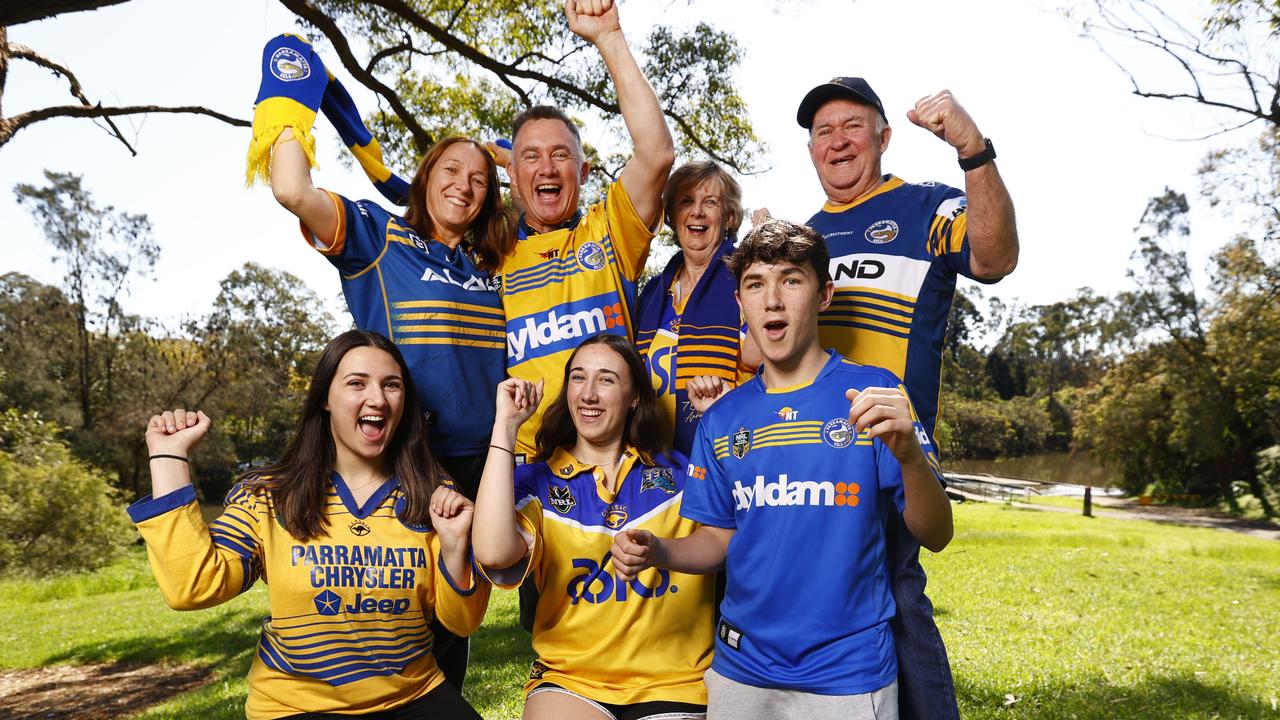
850	88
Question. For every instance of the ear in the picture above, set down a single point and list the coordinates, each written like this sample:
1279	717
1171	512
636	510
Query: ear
828	292
584	171
884	138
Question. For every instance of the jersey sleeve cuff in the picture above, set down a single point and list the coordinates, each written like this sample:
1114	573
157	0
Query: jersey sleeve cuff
149	507
475	575
333	246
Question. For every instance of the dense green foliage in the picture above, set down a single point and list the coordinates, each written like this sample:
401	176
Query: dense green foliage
1046	616
56	512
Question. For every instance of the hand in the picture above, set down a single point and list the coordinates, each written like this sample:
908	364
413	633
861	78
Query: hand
592	19
886	412
451	515
760	216
704	390
633	551
500	150
176	432
517	400
943	116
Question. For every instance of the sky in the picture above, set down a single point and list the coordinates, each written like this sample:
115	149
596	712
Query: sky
1080	154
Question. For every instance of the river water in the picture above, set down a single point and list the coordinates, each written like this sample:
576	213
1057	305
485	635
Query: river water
1071	468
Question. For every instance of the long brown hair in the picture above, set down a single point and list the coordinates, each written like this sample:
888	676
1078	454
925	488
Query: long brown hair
493	232
299	480
643	431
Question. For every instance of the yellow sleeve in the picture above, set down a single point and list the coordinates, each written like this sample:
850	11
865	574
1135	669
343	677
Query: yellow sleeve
529	520
626	231
458	603
197	565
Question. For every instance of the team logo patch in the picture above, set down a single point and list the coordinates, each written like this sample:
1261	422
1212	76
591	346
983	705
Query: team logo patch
615	517
536	672
882	232
562	499
657	478
359	528
289	65
327	603
787	413
591	256
567	470
740	442
838	433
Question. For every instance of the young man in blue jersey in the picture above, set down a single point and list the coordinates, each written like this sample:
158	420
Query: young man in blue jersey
793	467
896	251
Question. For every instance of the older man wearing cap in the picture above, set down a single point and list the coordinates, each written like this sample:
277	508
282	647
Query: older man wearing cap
896	249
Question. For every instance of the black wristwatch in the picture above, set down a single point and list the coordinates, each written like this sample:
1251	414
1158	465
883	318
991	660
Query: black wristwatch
972	163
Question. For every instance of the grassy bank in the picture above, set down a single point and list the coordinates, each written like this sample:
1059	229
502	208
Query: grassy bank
1046	616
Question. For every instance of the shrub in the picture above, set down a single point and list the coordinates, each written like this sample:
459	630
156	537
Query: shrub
56	512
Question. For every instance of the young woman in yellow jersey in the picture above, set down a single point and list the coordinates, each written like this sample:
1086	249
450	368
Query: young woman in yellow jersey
362	542
606	649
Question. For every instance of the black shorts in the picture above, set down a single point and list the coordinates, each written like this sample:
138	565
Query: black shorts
655	710
442	702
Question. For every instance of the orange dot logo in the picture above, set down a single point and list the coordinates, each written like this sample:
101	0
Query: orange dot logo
847	494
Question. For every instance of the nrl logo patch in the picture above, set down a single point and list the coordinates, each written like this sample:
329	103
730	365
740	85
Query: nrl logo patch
561	497
740	442
657	478
881	232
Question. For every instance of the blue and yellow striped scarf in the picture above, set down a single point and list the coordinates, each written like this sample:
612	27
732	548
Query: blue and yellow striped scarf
295	86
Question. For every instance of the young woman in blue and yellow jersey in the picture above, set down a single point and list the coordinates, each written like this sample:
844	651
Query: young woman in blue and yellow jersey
606	649
363	544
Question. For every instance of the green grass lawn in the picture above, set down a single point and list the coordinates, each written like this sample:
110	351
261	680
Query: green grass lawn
1046	616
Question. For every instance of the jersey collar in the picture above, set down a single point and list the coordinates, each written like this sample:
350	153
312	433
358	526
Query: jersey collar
890	183
567	467
524	232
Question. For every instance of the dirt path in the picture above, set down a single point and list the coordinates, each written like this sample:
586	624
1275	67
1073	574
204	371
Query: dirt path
1129	509
92	692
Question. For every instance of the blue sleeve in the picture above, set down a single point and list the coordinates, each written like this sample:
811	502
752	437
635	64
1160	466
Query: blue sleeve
708	497
361	236
948	229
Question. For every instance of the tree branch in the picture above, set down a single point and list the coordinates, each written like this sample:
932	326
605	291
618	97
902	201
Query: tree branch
15	13
10	126
325	24
30	55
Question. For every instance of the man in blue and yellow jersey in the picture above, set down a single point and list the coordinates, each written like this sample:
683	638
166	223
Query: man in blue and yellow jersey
896	249
573	274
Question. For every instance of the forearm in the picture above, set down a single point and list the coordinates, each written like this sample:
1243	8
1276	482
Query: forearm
292	188
654	151
993	232
457	562
495	534
168	474
928	511
701	552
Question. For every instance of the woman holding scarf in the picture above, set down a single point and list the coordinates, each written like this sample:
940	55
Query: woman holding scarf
689	327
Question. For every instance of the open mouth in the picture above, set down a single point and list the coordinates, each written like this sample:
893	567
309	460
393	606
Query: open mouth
697	230
547	192
372	426
590	414
456	202
841	161
774	330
